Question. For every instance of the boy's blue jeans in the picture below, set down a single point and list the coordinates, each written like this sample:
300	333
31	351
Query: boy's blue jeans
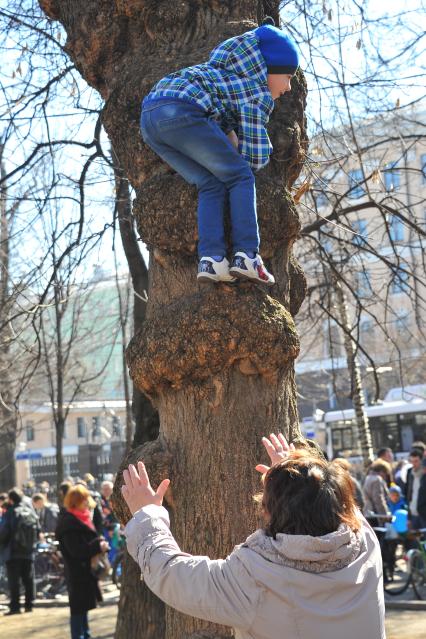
195	146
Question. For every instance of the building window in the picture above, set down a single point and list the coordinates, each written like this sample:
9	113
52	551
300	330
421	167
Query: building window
392	177
116	427
366	327
96	427
355	178
363	285
402	321
423	167
319	194
360	227
396	229
400	282
333	340
30	431
81	427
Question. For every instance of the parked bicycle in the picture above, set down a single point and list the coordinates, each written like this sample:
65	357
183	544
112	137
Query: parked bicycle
49	568
404	561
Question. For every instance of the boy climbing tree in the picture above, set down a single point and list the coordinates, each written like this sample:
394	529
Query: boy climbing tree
208	122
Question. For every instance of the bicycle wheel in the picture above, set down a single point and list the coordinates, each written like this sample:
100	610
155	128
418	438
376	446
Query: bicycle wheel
418	574
398	580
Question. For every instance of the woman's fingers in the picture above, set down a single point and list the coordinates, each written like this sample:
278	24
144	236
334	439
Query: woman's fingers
261	468
276	443
126	477
143	474
270	448
162	488
283	441
134	476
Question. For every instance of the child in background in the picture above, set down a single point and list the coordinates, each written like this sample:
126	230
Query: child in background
396	500
208	122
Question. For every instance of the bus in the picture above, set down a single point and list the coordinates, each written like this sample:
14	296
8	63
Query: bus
396	423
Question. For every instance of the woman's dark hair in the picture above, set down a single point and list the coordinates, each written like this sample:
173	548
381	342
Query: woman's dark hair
15	495
306	495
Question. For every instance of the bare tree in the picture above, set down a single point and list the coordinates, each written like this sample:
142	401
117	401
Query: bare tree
242	381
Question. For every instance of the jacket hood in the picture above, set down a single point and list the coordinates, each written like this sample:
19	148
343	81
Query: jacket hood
327	553
241	55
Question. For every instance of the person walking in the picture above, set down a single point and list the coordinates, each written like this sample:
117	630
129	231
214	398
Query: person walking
414	476
47	512
421	497
19	532
314	569
376	493
79	542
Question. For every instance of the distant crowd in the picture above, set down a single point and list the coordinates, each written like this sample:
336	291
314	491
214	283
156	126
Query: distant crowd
31	517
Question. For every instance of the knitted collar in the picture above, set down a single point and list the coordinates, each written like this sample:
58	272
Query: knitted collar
310	554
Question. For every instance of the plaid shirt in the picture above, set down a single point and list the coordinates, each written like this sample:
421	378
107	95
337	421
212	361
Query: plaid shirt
232	87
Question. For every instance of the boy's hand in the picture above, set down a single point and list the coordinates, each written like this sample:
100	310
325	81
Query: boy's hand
138	492
232	136
277	448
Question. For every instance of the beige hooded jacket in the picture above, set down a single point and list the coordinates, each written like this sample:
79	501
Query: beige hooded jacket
294	587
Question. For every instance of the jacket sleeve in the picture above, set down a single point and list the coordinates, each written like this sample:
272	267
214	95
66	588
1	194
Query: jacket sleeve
421	500
255	146
6	528
379	496
220	591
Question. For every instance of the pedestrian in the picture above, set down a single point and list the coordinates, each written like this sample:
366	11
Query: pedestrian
47	513
89	483
208	122
109	520
346	465
79	542
376	492
19	533
386	454
421	498
400	473
396	499
314	569
414	476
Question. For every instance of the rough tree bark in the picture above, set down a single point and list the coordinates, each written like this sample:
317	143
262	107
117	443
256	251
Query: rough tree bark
216	362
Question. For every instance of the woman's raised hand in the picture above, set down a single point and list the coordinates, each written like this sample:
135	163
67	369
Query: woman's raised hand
137	490
277	448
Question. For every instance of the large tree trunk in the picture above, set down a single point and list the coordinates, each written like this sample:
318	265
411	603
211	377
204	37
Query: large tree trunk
217	362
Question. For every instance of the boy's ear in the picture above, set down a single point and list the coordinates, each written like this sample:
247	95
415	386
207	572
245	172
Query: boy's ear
268	20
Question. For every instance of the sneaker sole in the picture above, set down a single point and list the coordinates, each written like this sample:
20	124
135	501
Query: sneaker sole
241	275
211	278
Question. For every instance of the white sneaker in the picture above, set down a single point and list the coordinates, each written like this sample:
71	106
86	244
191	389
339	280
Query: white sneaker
209	270
247	268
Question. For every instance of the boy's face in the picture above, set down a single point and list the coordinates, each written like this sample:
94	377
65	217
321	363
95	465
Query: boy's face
278	84
394	496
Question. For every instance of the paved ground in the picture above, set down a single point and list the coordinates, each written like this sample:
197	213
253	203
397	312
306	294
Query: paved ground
52	623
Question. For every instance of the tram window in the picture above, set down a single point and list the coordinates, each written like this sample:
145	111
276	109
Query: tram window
337	439
347	438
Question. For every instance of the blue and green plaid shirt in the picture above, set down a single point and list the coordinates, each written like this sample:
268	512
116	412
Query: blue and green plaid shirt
231	86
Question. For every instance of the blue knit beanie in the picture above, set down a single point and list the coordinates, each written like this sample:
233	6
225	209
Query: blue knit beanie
278	49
